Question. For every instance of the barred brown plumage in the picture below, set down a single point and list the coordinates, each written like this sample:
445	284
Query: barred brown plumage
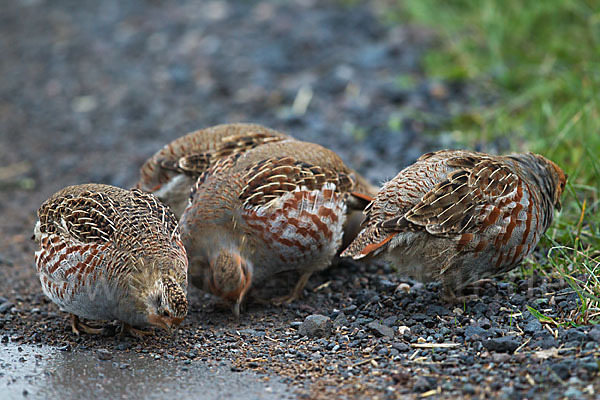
459	216
280	206
171	172
108	253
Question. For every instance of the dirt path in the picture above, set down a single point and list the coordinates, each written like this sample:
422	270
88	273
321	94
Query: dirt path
90	89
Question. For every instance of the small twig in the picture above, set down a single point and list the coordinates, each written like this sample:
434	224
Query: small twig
322	286
357	364
434	345
431	392
523	345
530	379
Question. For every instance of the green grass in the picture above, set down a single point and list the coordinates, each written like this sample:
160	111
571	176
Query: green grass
540	62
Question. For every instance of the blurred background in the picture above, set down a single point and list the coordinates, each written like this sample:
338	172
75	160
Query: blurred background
90	89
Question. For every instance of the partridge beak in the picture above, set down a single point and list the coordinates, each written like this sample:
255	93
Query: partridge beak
172	325
169	324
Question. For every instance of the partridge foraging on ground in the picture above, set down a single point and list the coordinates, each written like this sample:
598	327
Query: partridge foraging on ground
278	207
460	216
171	172
112	254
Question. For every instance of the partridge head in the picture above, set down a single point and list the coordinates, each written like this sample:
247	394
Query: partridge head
460	216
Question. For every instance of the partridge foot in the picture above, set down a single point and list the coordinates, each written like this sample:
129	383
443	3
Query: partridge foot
127	329
77	326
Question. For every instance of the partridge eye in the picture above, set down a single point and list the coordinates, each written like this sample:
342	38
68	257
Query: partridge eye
165	313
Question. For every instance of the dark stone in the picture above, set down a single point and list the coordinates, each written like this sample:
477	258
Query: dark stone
475	330
467	359
6	306
500	357
381	330
576	335
252	332
341	320
419	317
316	325
594	334
104	354
423	384
591	366
386	286
505	344
590	346
480	308
434	310
468	388
484	323
401	347
123	346
383	351
366	296
547	343
517	299
350	308
562	369
573	393
533	326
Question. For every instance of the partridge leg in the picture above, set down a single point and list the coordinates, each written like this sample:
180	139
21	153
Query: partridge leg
236	308
77	326
296	292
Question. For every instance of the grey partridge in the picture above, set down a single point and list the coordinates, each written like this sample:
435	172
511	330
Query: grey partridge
172	171
112	254
278	207
459	216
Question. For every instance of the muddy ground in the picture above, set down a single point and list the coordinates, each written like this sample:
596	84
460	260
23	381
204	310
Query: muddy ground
89	90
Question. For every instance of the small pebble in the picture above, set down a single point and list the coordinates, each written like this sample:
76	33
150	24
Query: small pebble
104	354
500	357
594	334
6	306
316	325
423	384
381	330
505	344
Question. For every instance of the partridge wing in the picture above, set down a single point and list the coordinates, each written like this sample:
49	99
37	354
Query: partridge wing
464	202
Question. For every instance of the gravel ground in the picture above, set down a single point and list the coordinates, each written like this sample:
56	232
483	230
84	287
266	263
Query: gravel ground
90	89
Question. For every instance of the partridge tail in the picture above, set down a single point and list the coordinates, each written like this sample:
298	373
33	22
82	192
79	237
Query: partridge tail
370	241
358	201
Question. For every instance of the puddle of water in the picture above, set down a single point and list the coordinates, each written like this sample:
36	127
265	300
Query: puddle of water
31	372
